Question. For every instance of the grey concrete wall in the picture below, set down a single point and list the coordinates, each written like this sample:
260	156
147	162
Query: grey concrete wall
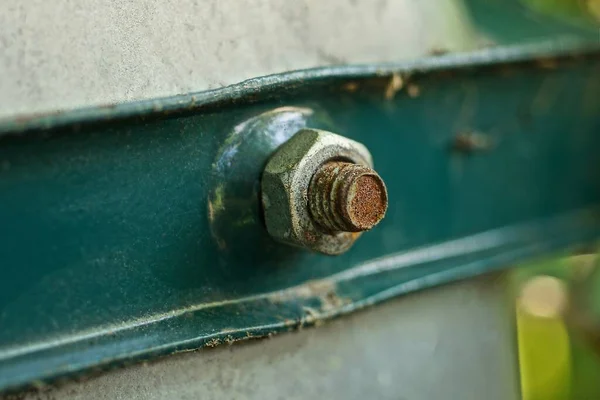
64	54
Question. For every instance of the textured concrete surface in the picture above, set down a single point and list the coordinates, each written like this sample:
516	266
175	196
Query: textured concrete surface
452	342
63	54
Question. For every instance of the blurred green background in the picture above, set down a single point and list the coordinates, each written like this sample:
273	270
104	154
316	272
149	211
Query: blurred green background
558	324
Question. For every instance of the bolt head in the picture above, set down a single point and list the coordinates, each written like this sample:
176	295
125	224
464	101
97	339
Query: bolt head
285	183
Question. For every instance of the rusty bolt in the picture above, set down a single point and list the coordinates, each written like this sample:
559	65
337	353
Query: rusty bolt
319	191
348	197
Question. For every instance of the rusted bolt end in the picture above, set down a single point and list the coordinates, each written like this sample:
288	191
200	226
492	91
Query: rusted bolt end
346	197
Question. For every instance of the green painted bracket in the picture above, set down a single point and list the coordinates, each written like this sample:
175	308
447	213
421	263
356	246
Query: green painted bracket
135	230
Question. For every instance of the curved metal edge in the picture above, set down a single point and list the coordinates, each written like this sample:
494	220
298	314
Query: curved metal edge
247	91
305	305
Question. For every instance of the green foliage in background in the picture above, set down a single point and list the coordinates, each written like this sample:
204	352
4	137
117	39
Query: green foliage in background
559	359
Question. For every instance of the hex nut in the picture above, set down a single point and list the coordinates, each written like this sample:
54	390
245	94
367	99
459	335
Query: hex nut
285	182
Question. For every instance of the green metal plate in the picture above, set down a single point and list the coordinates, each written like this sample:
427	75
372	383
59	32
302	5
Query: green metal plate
135	230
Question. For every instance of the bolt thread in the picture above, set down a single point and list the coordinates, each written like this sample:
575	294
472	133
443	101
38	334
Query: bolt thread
338	194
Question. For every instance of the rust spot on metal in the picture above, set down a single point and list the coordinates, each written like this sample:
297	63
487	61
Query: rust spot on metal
350	87
356	235
547	63
468	142
213	342
437	51
310	237
324	291
413	90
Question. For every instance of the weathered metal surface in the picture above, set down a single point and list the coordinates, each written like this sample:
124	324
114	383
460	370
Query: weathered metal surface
285	182
390	352
135	230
